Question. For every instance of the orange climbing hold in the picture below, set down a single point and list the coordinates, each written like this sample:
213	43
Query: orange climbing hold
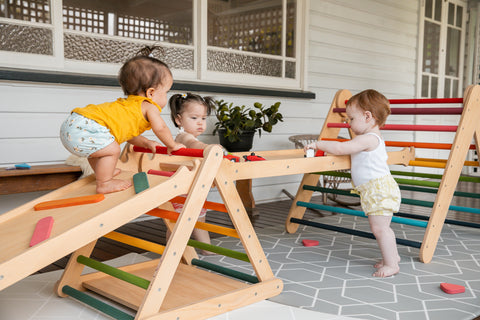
69	202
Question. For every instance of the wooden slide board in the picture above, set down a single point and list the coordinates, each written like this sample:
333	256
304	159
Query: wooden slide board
77	226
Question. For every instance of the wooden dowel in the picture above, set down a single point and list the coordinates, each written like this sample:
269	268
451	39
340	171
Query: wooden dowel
403	127
413	111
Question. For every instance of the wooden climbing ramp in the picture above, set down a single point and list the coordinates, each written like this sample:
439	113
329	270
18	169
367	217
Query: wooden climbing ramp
467	130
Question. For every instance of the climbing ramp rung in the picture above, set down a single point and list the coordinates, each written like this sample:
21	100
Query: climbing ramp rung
434	190
97	304
358	233
449	221
170	215
220	250
135	242
225	271
114	272
415	223
421	203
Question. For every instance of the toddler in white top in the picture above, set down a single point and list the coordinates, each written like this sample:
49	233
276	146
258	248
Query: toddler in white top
380	196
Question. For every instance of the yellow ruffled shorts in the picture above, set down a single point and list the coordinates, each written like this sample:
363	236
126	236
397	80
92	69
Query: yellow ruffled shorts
379	197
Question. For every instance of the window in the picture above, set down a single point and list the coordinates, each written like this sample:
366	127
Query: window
252	26
25	26
238	42
103	31
444	24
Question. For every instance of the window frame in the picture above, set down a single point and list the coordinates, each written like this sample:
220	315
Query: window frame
57	62
442	49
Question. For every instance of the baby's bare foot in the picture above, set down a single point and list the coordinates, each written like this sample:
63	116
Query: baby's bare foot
380	263
113	185
386	271
116	172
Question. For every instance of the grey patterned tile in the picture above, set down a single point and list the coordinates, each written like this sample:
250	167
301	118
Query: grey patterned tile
300	275
300	288
326	306
292	298
337	274
308	256
278	257
315	267
371	282
326	282
448	314
341	273
414	291
403	304
367	294
474	285
413	315
337	296
367	311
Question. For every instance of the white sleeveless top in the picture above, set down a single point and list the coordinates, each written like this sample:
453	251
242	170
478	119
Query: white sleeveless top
369	165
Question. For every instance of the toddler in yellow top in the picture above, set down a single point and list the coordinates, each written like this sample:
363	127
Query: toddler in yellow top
96	131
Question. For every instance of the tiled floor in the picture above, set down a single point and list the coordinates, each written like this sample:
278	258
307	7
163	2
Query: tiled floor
33	299
335	276
329	281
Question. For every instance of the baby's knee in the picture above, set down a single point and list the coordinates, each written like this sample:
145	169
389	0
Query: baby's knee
380	231
376	230
116	150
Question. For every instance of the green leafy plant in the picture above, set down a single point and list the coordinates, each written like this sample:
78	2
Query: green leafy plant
235	120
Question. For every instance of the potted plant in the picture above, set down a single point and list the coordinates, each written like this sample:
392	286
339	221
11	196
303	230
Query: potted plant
236	125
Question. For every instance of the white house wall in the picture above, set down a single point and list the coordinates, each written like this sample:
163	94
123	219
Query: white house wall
352	45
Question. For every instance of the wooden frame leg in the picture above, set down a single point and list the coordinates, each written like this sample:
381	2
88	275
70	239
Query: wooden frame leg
244	188
240	220
73	270
302	195
468	128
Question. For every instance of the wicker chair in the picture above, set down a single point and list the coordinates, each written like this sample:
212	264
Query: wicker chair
300	142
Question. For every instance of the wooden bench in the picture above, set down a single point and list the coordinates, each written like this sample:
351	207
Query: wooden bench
37	178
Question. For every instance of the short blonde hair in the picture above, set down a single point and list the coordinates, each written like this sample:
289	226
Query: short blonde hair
373	101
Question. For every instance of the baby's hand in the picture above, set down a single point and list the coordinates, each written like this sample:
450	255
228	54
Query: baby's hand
152	145
175	147
312	145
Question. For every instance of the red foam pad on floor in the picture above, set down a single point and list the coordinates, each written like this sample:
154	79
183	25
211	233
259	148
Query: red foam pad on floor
452	288
310	243
42	230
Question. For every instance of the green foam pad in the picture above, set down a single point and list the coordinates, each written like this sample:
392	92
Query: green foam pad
140	182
